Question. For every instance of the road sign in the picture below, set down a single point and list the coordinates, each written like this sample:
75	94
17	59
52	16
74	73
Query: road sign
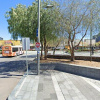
37	44
26	43
37	33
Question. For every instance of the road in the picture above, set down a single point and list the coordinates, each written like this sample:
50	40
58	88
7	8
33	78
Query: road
97	54
11	71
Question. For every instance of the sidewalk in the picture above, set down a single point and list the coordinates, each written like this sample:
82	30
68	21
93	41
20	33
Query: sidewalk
56	85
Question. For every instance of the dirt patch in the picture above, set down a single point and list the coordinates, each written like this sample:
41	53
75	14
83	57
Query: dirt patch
7	83
77	62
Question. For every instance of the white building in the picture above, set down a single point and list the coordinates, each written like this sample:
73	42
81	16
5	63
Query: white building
87	41
76	42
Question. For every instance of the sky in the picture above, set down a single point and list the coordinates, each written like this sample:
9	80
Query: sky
5	5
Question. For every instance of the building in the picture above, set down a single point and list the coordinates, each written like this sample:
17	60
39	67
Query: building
59	43
76	41
87	41
1	38
9	42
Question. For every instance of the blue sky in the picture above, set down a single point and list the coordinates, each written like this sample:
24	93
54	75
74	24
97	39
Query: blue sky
5	6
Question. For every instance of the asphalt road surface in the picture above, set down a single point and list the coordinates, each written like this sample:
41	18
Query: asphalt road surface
11	71
96	53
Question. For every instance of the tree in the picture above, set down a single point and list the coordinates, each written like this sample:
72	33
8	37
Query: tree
22	22
49	20
77	14
67	18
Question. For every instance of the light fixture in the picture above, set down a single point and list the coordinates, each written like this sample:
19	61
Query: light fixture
49	6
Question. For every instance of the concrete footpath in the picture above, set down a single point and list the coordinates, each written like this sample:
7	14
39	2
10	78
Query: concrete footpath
56	85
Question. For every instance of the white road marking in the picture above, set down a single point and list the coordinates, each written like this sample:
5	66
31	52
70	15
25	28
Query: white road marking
20	87
57	88
92	84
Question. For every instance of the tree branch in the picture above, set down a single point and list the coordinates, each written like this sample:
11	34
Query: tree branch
69	40
83	36
80	20
74	35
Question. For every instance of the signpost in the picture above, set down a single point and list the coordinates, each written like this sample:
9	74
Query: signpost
37	44
38	39
37	33
26	46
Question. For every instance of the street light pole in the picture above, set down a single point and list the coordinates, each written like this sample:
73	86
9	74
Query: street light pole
38	40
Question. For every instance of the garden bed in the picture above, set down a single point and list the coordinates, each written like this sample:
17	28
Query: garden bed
88	58
76	62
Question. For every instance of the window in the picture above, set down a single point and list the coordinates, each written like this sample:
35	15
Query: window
14	49
6	47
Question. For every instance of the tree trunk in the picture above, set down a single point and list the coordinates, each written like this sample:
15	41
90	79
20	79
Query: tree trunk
45	49
72	55
41	50
54	51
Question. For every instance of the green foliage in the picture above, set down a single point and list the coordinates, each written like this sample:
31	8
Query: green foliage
23	21
78	50
68	51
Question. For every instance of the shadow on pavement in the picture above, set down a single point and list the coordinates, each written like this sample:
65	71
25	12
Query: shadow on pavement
9	77
9	74
28	56
7	57
13	66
